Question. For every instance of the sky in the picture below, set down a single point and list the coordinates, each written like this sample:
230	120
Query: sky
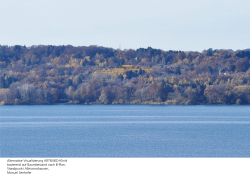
187	25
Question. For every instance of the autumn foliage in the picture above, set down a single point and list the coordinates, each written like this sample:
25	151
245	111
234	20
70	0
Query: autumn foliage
99	75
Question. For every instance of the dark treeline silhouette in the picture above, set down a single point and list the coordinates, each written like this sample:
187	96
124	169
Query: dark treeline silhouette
98	75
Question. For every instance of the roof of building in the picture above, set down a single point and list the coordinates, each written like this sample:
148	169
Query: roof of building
127	66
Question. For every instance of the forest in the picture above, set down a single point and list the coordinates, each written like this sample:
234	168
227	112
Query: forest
47	74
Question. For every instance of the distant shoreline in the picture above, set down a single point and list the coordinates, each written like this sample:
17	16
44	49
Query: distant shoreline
155	104
47	74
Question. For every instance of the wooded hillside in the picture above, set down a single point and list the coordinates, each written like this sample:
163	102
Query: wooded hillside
97	75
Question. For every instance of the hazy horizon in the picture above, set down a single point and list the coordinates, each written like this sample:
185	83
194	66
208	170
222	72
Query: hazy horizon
130	48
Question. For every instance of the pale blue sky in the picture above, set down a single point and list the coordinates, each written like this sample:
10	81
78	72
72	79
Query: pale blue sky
188	25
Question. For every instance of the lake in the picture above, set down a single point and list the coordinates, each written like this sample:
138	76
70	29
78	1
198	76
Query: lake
124	131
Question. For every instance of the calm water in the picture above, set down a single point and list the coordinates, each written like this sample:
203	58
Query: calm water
124	131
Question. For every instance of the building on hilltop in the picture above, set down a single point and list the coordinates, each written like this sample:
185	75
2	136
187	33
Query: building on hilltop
121	70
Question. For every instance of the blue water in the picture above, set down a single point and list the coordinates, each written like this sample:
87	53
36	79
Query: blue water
124	131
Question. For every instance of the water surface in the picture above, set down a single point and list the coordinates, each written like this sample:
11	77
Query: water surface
124	131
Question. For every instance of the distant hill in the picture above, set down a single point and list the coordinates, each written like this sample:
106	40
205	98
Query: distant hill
98	75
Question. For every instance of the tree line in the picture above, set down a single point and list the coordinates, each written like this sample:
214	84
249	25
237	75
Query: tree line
71	75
